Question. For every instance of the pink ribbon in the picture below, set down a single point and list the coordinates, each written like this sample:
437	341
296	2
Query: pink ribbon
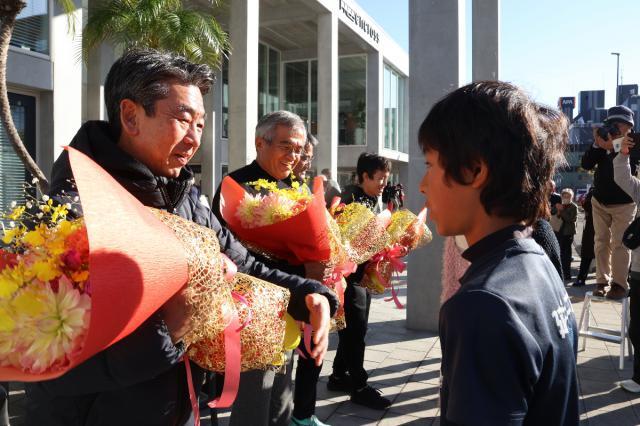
240	298
392	255
340	271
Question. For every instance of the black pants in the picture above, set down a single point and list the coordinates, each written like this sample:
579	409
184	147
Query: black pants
350	353
634	322
305	391
4	403
565	255
585	264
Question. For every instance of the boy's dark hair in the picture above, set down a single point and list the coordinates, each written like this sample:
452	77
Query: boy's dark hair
520	141
370	163
144	76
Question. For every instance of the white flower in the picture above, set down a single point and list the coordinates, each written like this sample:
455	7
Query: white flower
13	204
45	198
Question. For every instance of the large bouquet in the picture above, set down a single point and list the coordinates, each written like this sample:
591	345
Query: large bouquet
62	282
406	232
290	224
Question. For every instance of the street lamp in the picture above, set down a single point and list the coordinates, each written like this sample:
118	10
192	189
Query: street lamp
617	76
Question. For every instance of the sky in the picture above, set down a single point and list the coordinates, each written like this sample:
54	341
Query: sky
551	48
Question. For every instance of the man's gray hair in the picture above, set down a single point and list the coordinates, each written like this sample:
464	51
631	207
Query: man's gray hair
266	127
311	140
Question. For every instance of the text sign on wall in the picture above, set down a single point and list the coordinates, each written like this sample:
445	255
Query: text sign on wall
357	19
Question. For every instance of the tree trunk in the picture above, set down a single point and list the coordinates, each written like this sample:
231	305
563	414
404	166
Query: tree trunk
8	12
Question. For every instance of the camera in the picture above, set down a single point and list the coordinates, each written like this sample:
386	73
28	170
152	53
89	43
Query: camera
393	194
608	129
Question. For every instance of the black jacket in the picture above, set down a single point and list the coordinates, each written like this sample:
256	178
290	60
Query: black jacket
508	339
140	379
606	191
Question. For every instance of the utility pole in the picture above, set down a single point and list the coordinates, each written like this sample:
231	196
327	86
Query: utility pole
617	76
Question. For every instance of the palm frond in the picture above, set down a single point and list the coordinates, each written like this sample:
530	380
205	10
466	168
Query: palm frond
68	7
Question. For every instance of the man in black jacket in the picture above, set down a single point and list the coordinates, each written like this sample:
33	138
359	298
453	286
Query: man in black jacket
156	113
613	209
349	374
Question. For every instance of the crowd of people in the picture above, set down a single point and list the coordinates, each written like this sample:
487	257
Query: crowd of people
507	330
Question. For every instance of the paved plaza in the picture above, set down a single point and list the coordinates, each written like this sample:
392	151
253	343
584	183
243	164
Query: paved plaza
404	365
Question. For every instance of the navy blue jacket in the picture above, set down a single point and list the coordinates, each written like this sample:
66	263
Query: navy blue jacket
140	379
508	339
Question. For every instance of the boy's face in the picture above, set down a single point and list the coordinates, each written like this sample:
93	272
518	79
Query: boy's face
452	206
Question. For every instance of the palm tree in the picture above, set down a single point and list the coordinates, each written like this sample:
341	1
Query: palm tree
9	10
169	25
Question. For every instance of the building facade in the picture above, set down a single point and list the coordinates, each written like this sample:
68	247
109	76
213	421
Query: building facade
326	60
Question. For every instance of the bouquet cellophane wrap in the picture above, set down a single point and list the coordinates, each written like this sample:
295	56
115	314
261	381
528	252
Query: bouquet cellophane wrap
363	234
136	263
262	339
208	294
310	236
407	231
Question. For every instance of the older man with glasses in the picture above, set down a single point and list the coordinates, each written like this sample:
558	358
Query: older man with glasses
306	158
264	398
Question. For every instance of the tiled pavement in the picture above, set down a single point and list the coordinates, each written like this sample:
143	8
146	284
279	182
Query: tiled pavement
405	364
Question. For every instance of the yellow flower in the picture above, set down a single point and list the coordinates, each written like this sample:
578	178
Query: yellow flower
46	208
6	322
60	211
16	213
35	238
11	234
80	276
9	282
45	270
29	302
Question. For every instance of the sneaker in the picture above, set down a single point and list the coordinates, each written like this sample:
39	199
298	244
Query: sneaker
310	421
600	290
616	292
578	283
371	398
630	386
340	383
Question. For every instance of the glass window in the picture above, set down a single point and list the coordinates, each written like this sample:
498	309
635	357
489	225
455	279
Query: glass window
32	27
12	173
268	80
352	111
225	99
313	125
395	136
296	88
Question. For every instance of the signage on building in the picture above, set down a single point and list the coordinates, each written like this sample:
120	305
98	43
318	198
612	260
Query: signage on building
359	21
567	103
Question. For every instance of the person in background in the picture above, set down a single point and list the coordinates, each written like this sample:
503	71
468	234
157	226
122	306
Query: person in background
613	209
567	210
631	185
306	158
586	243
331	189
508	335
349	374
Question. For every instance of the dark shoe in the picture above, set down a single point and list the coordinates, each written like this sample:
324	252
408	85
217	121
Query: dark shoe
616	292
340	383
600	290
578	283
371	398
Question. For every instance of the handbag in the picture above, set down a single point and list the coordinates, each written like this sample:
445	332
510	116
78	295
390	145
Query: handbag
631	236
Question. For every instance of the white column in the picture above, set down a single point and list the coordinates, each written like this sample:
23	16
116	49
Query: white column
375	102
98	65
67	80
243	81
485	39
207	147
436	58
328	92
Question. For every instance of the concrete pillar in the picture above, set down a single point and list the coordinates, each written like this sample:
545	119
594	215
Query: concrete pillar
98	65
67	80
217	128
243	81
436	66
328	94
207	147
375	102
485	39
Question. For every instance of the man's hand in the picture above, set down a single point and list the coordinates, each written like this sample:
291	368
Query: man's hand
317	271
601	143
627	144
559	206
175	314
319	311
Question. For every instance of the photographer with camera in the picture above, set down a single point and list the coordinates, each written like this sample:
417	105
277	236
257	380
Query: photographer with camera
613	209
393	196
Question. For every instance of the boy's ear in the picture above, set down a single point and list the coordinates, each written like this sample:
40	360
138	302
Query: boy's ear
479	175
